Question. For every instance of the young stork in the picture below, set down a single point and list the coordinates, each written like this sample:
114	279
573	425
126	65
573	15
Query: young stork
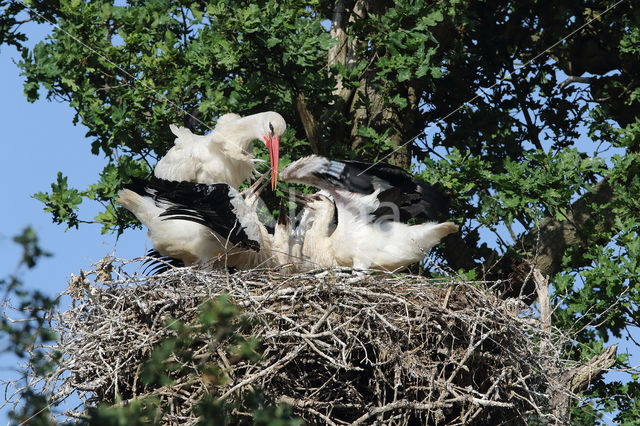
285	253
225	154
373	204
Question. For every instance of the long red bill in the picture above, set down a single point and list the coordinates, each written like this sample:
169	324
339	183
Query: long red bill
273	145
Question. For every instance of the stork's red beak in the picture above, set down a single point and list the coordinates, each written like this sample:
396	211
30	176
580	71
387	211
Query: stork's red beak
273	145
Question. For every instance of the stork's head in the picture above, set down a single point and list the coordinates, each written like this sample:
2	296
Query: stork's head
317	203
272	127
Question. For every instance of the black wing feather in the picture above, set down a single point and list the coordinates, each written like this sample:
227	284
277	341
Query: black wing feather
413	198
159	263
395	176
206	204
427	203
349	179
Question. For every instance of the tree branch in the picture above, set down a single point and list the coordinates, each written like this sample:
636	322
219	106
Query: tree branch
574	79
577	380
532	132
338	53
310	125
554	239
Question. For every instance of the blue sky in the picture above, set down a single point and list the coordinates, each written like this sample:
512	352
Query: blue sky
39	140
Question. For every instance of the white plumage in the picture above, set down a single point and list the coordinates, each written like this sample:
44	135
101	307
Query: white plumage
194	213
207	224
286	249
361	243
225	154
373	202
196	223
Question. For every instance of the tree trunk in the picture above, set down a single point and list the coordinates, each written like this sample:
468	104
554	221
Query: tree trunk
577	380
310	125
366	105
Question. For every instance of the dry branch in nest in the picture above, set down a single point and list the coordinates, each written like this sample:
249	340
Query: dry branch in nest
339	348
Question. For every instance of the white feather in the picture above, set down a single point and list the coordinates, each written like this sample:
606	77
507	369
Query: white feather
189	241
360	243
224	155
192	242
360	240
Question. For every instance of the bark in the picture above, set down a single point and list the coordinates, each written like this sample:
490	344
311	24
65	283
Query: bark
366	105
342	53
557	236
310	125
343	50
577	380
544	303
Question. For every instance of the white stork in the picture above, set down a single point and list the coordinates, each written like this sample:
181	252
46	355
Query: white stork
373	204
205	224
166	208
225	154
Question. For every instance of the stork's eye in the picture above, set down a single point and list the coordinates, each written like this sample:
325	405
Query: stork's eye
271	128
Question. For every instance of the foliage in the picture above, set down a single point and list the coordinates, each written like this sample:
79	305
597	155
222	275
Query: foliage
219	320
24	335
135	413
521	130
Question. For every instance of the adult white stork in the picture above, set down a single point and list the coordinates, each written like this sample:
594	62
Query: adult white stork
225	154
373	204
223	225
205	224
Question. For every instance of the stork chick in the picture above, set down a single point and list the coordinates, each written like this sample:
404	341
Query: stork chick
287	252
362	244
373	203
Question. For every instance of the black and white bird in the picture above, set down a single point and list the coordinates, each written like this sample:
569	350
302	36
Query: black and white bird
225	154
374	202
196	223
207	224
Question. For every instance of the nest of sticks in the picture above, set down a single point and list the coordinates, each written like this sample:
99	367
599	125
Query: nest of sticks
339	348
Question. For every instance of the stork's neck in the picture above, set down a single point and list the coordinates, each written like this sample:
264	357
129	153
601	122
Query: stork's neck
317	239
242	132
322	221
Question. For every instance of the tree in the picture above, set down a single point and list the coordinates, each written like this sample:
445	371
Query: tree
22	335
524	111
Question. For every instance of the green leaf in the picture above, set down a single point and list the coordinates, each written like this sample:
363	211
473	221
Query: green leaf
61	202
404	75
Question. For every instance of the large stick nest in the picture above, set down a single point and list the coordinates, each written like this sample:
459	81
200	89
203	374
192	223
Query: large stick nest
338	347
